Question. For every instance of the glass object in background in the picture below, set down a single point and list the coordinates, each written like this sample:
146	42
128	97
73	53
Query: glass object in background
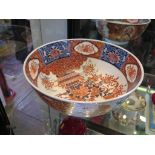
15	44
134	112
150	108
131	111
72	126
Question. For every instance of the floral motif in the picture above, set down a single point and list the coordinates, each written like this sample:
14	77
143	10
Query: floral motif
129	32
48	81
88	69
86	48
33	68
131	72
114	55
48	84
54	51
105	87
86	83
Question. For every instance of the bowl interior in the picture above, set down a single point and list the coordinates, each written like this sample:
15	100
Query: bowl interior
83	70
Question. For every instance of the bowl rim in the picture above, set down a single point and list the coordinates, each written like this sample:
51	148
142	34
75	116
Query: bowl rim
125	23
84	102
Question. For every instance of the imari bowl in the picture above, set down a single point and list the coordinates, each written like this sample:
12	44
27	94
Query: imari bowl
121	31
83	77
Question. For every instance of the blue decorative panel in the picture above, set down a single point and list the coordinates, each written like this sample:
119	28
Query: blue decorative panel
54	51
114	55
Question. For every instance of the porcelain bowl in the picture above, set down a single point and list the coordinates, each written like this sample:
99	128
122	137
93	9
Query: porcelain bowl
83	77
121	31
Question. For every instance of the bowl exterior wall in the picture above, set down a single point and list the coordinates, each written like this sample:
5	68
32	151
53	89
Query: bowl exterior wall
120	32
